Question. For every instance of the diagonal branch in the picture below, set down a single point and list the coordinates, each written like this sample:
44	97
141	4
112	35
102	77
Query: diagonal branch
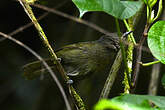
138	58
43	37
44	63
93	26
31	23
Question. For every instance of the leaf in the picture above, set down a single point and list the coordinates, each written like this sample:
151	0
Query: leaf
151	3
156	40
132	102
116	8
145	1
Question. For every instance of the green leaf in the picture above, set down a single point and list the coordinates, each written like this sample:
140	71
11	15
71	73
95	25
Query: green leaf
151	3
145	1
132	102
116	8
156	40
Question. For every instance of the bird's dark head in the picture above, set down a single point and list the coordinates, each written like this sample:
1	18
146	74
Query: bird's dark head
110	42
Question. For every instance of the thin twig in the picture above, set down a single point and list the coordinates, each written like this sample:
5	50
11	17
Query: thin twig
150	63
20	29
138	58
87	23
93	26
44	63
43	37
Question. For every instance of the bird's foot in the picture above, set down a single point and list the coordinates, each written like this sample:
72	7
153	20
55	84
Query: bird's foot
72	74
126	34
59	59
69	81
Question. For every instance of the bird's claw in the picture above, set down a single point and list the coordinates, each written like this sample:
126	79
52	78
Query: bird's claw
69	81
72	74
126	33
59	59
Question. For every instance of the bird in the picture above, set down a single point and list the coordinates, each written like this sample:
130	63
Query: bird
79	60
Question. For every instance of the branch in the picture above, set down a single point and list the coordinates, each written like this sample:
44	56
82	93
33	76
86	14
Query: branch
44	63
122	47
112	76
139	55
43	37
31	23
89	24
154	79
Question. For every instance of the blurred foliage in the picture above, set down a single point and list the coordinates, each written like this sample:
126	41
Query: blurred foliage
132	102
20	94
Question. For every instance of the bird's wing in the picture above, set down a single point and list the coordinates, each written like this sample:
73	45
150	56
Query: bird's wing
75	50
75	58
71	55
77	46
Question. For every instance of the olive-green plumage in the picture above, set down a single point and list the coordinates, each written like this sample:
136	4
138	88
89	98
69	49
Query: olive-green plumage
80	59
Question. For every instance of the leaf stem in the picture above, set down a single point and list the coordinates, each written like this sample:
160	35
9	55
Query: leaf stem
150	63
129	29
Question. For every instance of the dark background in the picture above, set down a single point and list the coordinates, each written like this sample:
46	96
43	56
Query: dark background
16	93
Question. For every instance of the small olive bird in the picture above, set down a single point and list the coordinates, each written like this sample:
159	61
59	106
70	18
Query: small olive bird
79	59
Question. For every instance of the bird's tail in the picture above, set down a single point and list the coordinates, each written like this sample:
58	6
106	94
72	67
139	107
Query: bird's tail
36	68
